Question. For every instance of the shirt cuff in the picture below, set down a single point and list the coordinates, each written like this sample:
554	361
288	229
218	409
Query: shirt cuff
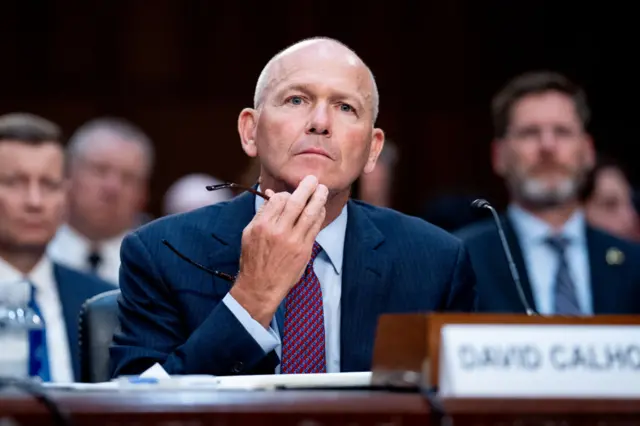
267	339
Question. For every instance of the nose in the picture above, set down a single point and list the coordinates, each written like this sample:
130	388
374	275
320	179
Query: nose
548	139
34	196
111	184
319	122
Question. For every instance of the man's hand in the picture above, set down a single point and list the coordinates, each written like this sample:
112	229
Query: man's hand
276	247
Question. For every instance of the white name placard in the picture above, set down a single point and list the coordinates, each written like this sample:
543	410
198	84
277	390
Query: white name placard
533	360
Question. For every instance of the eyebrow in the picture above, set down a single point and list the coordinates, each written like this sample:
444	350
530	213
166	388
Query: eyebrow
336	94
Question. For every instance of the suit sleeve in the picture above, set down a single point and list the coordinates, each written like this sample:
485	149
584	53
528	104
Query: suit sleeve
151	328
462	296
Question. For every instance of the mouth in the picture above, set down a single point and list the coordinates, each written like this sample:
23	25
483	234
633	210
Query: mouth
33	225
315	151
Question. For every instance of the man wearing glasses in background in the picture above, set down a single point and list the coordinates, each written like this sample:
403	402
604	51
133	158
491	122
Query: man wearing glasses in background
311	269
544	153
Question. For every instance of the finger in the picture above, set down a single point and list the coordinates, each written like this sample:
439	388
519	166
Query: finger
312	211
316	227
272	209
298	200
269	193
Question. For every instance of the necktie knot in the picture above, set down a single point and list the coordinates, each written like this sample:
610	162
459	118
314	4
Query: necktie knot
315	251
558	242
94	259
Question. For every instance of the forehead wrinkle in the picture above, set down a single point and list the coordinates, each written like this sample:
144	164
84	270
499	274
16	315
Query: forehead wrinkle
283	67
272	73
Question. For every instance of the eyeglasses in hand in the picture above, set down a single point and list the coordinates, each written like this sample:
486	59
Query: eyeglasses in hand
235	185
219	274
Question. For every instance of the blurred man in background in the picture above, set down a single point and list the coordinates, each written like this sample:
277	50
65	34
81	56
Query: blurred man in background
32	200
544	153
189	193
110	164
609	200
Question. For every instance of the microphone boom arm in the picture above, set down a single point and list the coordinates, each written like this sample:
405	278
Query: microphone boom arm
484	204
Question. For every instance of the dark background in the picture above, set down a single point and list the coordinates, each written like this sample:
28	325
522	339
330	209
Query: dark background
184	69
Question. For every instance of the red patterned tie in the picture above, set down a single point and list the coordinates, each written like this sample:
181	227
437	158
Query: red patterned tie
303	341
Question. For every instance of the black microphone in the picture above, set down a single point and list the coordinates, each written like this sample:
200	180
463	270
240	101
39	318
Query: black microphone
484	204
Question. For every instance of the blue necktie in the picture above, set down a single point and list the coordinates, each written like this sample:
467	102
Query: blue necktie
38	352
566	299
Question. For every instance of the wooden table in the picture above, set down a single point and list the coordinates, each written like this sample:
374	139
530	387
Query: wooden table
309	408
228	408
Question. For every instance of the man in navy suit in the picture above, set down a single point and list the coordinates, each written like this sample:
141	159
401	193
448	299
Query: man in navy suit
312	270
32	198
544	153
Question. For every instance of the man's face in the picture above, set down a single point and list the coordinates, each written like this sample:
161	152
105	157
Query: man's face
108	185
32	194
611	205
545	154
316	119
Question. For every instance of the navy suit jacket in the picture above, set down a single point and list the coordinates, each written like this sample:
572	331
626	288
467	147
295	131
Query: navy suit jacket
74	288
171	312
615	287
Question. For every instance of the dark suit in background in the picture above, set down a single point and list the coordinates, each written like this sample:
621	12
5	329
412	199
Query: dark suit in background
614	280
74	288
171	311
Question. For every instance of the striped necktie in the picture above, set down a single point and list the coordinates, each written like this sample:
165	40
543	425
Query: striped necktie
566	299
303	343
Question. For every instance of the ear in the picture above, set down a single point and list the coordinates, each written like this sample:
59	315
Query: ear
247	122
498	156
377	142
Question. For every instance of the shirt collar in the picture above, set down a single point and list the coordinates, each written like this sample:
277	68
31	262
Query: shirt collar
534	230
69	237
331	238
41	276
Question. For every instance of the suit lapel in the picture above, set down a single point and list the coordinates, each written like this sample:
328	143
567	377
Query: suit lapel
71	300
605	274
227	231
518	259
365	269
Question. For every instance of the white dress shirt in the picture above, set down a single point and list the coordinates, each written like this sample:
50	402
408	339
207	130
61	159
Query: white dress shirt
542	261
328	268
72	249
50	306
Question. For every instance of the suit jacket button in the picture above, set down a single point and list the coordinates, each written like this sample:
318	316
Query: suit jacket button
237	367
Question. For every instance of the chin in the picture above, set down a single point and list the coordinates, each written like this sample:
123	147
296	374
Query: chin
295	176
33	241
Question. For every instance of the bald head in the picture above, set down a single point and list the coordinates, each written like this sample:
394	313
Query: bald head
313	47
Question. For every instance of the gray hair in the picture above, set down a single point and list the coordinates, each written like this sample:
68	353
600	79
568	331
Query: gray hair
81	139
264	78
